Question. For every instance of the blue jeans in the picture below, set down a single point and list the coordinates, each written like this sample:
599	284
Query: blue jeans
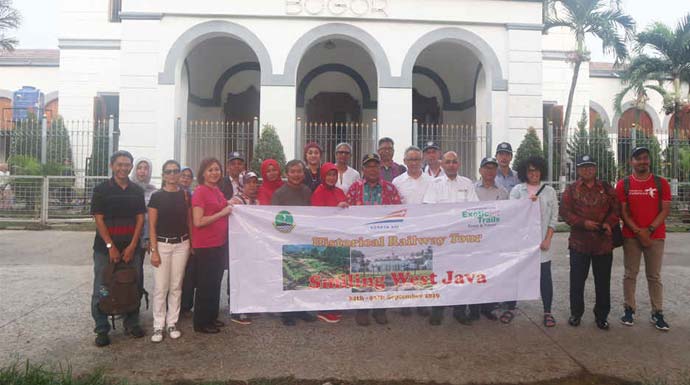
100	261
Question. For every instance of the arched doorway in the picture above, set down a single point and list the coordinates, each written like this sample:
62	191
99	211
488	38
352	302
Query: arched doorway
336	97
222	76
446	79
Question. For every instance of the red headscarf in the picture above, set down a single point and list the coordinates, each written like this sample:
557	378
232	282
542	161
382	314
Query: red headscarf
326	195
267	187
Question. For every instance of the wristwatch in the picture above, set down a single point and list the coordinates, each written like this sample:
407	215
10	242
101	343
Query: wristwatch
651	229
108	246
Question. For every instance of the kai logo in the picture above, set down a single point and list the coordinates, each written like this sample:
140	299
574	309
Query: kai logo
485	217
284	222
390	221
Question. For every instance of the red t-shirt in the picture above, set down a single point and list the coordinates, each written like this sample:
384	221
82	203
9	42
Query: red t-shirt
643	201
212	200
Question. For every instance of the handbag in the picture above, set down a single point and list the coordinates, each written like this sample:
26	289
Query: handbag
616	231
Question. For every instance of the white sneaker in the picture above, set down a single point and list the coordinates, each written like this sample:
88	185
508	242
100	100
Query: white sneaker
174	333
157	335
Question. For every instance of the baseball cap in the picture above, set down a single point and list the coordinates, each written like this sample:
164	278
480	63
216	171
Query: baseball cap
429	145
505	147
235	155
488	160
639	150
249	175
369	157
584	160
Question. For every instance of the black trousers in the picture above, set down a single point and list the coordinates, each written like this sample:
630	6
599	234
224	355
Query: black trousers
579	269
209	264
188	285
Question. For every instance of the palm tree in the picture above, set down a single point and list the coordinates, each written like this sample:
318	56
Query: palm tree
601	18
9	19
663	55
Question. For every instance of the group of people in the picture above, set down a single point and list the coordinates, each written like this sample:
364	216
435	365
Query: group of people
186	232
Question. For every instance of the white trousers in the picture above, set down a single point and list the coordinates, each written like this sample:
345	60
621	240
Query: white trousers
168	278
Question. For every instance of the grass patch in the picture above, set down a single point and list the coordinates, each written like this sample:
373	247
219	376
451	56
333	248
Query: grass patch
31	374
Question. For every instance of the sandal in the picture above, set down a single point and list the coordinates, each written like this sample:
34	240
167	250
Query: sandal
507	316
549	321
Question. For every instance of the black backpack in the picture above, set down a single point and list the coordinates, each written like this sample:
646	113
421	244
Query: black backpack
120	293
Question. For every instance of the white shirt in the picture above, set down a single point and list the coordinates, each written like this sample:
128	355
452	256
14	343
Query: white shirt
412	190
445	190
427	171
346	179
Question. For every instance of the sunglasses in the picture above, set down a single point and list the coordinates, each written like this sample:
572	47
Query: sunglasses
343	152
173	171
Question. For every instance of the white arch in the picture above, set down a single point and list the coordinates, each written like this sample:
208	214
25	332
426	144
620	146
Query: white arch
207	30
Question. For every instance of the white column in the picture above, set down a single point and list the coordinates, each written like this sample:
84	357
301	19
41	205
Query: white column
277	106
395	118
524	83
142	130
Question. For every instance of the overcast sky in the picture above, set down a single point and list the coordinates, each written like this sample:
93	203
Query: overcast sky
40	21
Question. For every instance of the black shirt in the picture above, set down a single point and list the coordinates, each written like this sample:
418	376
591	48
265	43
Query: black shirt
312	180
119	208
172	213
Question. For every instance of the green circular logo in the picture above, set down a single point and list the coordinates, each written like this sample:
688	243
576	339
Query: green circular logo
284	222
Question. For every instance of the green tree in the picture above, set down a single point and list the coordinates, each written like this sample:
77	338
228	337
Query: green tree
269	147
9	19
530	146
601	18
595	143
26	140
663	55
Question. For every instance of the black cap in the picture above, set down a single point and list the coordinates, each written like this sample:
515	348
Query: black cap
368	157
639	150
584	160
429	145
489	160
504	147
235	155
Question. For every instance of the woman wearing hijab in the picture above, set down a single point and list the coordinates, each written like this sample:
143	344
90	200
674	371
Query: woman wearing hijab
270	173
327	194
141	176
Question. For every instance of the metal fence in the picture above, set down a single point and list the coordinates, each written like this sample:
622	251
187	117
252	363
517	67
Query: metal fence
469	142
217	139
46	199
361	136
57	147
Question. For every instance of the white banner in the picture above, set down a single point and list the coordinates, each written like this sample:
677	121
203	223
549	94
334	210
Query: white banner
285	258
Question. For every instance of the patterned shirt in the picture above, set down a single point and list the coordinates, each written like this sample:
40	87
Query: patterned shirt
597	203
384	193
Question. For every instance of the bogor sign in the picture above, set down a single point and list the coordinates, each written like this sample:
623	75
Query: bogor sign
337	7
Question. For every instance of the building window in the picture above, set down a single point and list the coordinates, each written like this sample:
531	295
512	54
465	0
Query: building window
114	11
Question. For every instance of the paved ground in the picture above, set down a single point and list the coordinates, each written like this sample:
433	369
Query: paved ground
45	286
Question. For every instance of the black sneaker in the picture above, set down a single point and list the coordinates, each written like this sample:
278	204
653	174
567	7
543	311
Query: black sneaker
574	321
102	340
602	324
658	321
137	332
628	318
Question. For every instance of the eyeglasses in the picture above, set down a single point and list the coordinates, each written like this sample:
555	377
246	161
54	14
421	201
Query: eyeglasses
173	171
343	152
413	159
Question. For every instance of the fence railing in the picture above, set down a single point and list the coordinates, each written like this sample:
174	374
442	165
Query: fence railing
46	199
670	158
202	139
361	136
468	141
58	147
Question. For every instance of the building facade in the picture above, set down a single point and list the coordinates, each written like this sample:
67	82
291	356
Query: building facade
480	68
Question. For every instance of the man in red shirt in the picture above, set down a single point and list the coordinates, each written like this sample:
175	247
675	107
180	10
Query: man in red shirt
645	204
